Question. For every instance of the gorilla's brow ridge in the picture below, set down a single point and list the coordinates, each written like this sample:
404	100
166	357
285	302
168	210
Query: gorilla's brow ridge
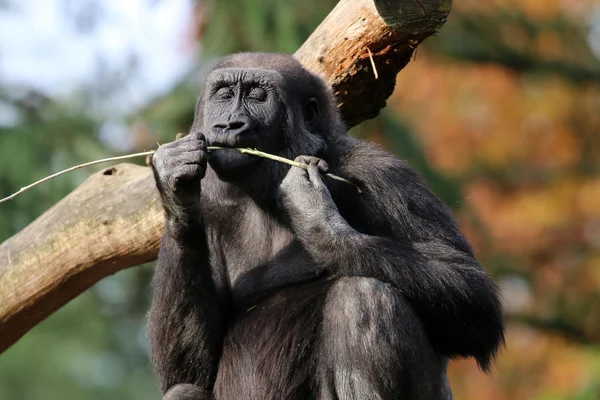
251	76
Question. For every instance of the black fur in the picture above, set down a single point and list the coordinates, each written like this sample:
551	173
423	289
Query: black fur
281	283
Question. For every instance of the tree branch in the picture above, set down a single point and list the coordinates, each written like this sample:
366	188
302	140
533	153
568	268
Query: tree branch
390	30
112	221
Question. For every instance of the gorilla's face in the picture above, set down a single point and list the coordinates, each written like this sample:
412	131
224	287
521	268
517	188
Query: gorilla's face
243	108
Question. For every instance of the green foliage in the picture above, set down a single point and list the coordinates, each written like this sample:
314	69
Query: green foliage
36	148
272	25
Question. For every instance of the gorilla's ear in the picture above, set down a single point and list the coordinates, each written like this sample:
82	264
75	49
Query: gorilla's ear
311	113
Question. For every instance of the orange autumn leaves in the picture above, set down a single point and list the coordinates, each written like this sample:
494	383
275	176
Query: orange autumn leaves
534	9
536	366
523	146
493	118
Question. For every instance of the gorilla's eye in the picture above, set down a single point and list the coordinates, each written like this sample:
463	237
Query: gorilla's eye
224	93
257	93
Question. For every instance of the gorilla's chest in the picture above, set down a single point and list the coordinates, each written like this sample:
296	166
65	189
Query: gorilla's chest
257	253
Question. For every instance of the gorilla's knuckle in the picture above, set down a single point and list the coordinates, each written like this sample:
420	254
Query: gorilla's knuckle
302	160
194	146
183	147
158	164
197	135
158	155
323	166
200	145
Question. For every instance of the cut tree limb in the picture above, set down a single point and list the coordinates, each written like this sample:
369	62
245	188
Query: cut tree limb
114	220
339	48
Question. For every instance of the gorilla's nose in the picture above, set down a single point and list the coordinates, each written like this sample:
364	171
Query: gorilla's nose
234	124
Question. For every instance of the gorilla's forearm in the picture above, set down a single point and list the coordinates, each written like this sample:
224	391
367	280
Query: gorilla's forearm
413	268
454	297
185	295
438	275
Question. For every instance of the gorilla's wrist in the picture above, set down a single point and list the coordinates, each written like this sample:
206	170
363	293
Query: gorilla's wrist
179	203
315	228
180	220
326	240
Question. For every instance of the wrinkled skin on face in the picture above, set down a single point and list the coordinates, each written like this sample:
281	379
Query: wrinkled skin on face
243	108
267	106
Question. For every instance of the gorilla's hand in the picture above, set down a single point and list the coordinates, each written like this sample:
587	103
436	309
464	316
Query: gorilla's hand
178	168
305	197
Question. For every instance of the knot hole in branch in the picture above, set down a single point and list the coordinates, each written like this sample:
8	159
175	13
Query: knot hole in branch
110	171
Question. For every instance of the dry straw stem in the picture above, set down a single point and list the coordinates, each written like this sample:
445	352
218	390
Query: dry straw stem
258	153
12	196
148	153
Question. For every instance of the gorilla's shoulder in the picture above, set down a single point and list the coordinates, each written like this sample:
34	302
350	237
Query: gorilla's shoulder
372	164
392	188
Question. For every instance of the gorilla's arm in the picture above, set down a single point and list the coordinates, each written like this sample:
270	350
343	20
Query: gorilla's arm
186	319
413	242
185	327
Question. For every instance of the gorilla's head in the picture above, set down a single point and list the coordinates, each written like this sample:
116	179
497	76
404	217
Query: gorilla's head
264	101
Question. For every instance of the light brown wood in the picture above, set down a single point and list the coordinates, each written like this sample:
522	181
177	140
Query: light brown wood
362	45
114	220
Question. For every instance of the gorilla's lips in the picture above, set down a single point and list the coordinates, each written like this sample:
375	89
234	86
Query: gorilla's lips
246	138
231	165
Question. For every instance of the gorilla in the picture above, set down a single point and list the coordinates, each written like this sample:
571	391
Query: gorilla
277	282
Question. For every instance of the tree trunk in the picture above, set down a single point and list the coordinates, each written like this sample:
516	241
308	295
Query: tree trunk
114	220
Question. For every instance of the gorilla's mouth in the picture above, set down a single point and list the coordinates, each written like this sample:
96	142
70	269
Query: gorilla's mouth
224	139
231	165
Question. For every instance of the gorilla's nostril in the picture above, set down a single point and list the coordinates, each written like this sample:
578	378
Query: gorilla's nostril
235	125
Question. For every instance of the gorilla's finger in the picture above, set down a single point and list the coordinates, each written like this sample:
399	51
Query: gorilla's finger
197	135
323	166
193	157
199	144
314	174
187	146
186	174
303	160
316	161
298	171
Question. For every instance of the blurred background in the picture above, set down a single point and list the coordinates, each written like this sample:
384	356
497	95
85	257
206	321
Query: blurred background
500	113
